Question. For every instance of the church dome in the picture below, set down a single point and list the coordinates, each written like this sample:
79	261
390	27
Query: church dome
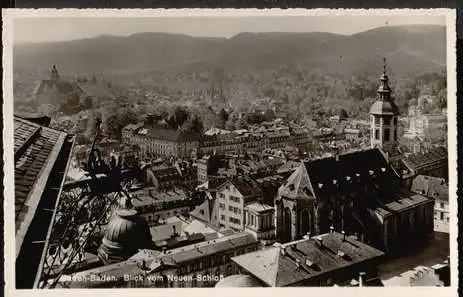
384	107
125	234
126	226
238	281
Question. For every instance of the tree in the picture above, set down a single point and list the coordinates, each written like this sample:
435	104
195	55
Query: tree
223	114
436	135
178	117
116	121
269	115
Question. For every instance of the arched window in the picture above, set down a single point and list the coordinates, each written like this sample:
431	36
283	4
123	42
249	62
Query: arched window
305	222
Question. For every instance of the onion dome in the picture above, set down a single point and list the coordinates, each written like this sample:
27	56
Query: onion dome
125	234
384	108
238	281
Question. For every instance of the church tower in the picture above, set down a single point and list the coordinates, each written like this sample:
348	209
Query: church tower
384	117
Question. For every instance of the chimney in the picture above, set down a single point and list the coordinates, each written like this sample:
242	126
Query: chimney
307	236
343	235
298	263
361	278
320	241
174	231
331	229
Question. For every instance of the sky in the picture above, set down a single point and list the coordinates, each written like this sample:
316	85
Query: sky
30	29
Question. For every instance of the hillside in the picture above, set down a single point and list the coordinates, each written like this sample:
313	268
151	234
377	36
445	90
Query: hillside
411	49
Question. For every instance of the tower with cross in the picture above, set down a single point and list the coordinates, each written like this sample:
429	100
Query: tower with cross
384	115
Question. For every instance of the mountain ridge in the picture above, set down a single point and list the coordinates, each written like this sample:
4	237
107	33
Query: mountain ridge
412	48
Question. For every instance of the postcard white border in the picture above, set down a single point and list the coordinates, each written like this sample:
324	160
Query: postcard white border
9	14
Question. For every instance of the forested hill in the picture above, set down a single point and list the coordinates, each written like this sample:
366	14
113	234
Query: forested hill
411	49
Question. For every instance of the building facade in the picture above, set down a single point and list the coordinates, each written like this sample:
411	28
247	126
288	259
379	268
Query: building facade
259	221
198	265
437	189
233	196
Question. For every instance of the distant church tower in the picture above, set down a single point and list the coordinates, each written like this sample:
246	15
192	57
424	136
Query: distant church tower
384	118
54	73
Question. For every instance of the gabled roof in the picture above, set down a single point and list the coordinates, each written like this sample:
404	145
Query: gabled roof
299	261
298	185
245	185
206	212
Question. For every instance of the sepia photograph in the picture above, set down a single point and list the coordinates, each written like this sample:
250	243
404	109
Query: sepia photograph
202	149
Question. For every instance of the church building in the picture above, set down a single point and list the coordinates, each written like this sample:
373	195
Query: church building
359	193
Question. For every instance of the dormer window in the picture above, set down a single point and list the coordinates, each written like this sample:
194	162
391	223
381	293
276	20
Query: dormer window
291	187
383	169
335	182
348	178
371	172
320	185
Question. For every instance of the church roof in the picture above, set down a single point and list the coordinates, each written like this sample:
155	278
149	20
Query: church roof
298	184
127	229
49	86
384	107
346	171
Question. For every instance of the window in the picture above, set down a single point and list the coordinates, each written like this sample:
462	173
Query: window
395	121
222	206
442	205
376	134
386	134
252	220
387	121
230	208
442	216
395	135
222	217
376	120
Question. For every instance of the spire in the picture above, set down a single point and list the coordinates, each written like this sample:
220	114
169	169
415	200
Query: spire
54	73
384	91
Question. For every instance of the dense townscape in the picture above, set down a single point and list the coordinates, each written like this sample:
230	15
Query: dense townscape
224	186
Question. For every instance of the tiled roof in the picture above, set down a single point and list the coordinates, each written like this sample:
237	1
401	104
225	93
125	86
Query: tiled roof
33	146
324	176
433	156
166	174
204	249
246	186
430	186
41	157
302	260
